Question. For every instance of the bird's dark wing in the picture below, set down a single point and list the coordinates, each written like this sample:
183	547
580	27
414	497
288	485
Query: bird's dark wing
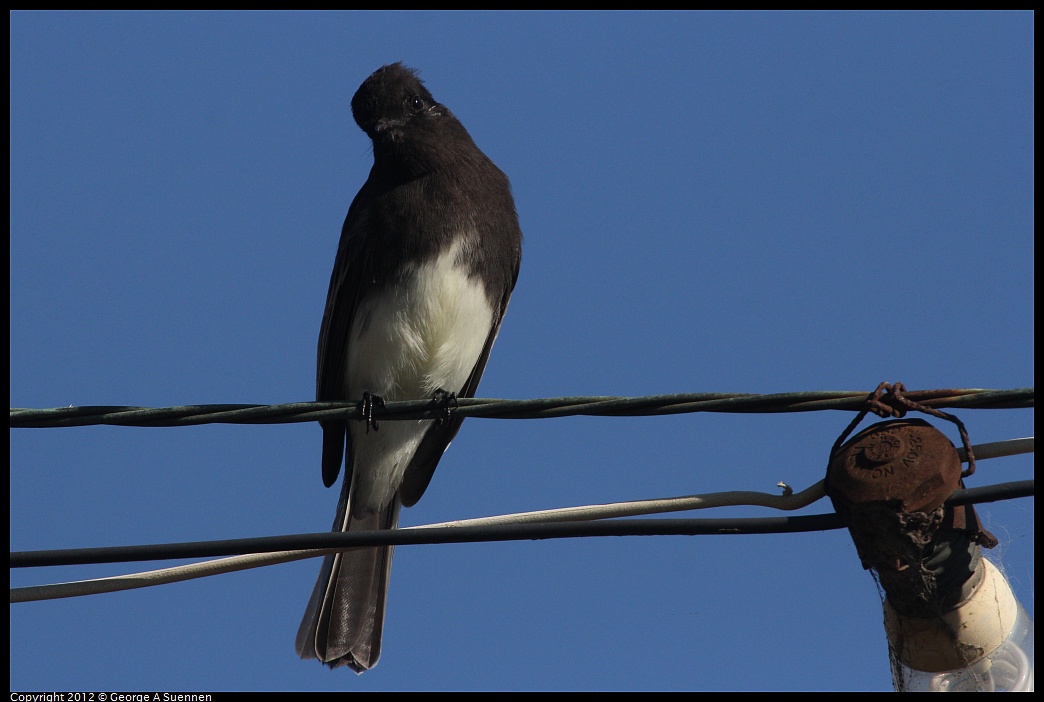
342	300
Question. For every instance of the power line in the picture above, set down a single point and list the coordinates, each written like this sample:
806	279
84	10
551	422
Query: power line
456	534
541	408
479	533
572	522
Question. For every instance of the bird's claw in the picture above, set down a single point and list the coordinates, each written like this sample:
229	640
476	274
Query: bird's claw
369	401
448	400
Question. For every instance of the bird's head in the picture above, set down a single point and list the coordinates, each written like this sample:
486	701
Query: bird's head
393	101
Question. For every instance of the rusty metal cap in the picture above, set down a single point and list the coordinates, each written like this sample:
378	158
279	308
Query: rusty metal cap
906	460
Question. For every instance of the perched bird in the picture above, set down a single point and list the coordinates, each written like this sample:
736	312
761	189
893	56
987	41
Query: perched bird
428	257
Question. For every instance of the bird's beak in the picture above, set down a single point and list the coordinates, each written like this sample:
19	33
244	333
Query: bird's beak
384	125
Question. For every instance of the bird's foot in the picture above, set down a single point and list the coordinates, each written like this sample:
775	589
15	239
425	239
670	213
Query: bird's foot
369	401
446	400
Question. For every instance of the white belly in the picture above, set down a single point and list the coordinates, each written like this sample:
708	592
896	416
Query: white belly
421	336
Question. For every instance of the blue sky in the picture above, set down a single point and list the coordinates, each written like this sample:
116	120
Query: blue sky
711	202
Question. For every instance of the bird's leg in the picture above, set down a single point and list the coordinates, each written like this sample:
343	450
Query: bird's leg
445	399
369	401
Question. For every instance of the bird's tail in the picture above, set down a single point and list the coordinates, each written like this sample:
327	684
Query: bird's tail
345	617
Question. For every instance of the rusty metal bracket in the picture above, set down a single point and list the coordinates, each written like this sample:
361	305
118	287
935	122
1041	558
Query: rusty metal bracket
889	484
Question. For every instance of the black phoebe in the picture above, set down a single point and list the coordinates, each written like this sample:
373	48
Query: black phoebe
428	258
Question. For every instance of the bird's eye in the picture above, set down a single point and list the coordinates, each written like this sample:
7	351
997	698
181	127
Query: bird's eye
416	103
